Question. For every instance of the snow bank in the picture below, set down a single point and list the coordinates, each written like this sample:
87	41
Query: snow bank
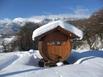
93	69
54	24
78	57
26	59
4	62
88	64
25	63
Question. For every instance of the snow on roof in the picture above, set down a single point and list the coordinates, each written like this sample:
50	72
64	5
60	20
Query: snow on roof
52	25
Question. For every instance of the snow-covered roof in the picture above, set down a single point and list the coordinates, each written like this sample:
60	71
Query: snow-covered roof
52	25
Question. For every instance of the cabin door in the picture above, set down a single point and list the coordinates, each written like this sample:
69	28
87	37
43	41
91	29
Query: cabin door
58	49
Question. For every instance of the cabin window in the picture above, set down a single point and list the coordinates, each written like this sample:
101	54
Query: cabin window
55	42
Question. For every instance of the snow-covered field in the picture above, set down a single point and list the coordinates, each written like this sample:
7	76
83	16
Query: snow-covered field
25	64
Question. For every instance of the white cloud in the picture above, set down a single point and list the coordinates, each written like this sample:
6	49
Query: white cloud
36	19
78	12
81	11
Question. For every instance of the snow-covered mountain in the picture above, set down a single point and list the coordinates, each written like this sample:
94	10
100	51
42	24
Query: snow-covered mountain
9	26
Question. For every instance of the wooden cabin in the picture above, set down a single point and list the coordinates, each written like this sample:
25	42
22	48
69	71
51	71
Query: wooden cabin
54	44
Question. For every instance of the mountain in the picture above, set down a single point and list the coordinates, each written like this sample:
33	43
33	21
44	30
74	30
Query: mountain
11	26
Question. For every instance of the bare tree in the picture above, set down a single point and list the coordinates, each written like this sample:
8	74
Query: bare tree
25	36
92	27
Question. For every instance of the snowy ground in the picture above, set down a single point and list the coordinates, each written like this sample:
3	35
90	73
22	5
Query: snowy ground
25	64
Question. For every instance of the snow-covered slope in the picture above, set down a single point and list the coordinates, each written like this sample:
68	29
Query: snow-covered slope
6	60
87	64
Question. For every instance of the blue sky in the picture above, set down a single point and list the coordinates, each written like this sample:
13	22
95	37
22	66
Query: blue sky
28	8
